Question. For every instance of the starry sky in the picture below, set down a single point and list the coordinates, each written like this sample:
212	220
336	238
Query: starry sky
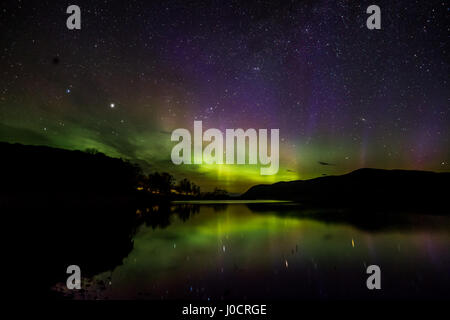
343	97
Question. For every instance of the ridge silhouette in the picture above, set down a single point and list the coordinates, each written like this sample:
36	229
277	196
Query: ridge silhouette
366	187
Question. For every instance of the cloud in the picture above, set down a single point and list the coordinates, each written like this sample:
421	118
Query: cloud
325	163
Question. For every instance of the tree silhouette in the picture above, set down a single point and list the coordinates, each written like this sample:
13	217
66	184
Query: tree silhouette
195	190
160	182
185	186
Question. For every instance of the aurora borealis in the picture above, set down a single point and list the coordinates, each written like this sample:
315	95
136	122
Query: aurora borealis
343	97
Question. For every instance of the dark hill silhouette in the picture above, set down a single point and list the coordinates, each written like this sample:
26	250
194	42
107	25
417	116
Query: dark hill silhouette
39	169
370	188
62	207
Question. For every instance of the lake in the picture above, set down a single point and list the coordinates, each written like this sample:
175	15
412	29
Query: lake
272	251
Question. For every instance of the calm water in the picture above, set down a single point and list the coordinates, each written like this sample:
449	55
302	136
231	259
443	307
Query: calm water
267	251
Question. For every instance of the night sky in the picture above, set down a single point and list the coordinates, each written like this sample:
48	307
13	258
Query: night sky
343	97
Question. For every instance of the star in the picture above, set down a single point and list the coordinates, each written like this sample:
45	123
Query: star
292	67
